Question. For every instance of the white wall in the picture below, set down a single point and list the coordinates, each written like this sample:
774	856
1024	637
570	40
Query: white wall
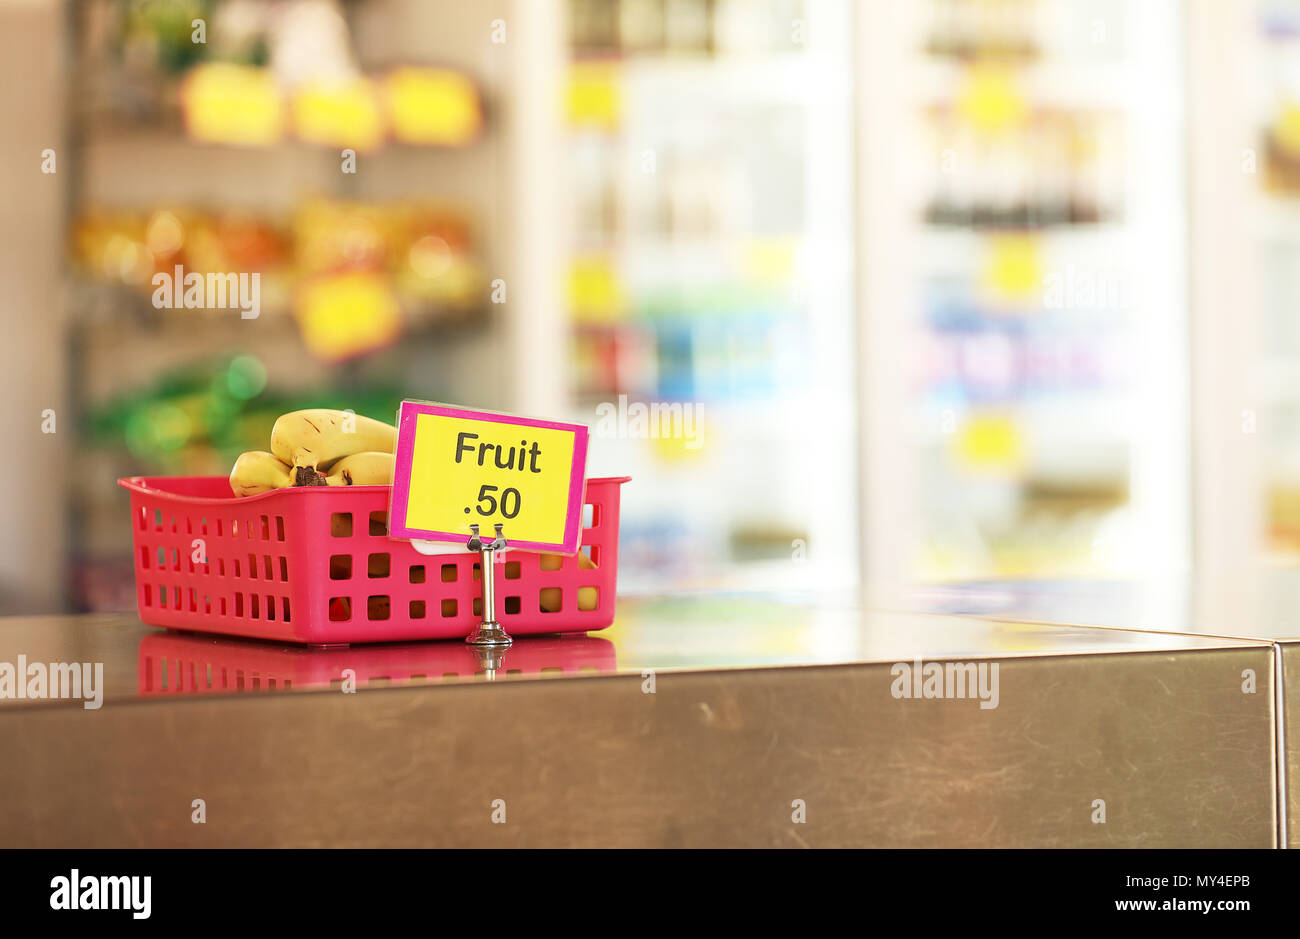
33	466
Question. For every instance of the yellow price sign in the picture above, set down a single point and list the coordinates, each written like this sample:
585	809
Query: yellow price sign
457	467
232	104
344	315
434	107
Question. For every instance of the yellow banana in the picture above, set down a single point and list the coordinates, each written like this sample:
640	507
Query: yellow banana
549	597
362	469
258	471
315	438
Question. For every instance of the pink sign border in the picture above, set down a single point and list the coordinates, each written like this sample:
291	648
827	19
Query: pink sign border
406	415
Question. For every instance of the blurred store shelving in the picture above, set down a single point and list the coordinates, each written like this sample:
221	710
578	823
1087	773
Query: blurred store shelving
354	170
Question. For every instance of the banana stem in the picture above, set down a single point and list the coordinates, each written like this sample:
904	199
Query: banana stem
306	476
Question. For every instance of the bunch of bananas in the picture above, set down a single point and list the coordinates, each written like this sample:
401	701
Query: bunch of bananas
319	447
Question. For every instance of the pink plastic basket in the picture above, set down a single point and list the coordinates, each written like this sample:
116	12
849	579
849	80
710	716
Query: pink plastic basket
315	565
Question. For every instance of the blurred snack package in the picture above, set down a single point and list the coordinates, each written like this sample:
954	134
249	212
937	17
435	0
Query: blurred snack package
421	258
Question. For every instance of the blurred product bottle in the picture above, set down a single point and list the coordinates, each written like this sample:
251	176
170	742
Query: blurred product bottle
676	360
745	28
594	27
641	26
1051	168
688	26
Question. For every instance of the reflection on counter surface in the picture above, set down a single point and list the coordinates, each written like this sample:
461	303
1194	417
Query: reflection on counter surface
696	634
172	663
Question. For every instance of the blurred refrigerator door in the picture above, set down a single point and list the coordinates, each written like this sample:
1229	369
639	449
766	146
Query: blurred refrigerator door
1021	277
709	284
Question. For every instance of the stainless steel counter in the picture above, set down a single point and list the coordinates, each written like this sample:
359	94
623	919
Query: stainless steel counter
698	722
1260	603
